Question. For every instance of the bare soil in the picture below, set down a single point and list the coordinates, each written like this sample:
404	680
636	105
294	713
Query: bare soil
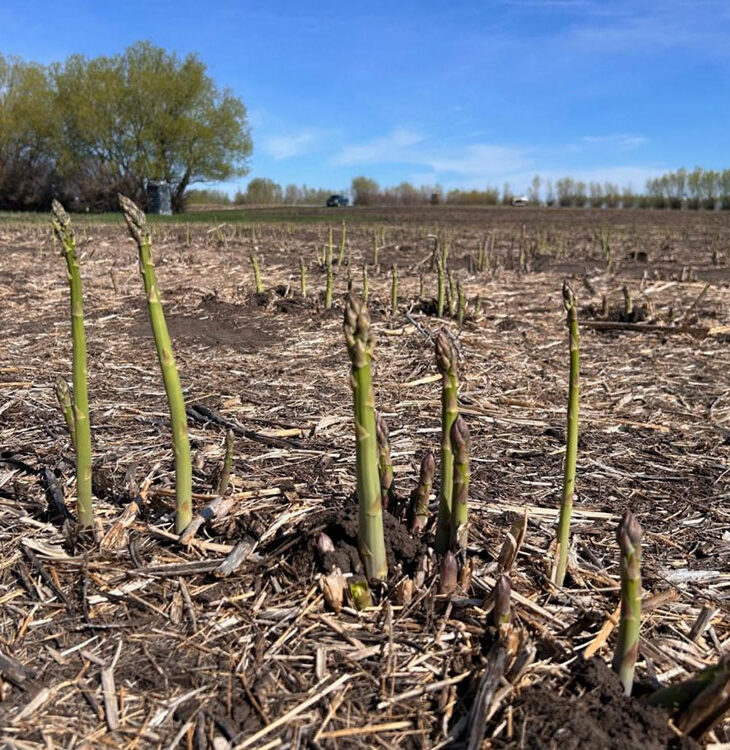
139	644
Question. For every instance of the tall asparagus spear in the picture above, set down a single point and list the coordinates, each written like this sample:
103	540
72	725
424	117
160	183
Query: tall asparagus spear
460	445
365	285
627	645
341	255
360	343
441	290
446	363
571	447
394	290
138	229
419	497
330	277
61	224
63	396
256	273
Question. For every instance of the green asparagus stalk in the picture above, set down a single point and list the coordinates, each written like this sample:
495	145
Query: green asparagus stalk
450	294
628	303
360	593
571	448
303	277
61	224
375	248
461	306
460	445
341	254
627	644
502	594
385	464
440	295
330	277
421	494
394	291
360	343
446	363
63	396
225	475
139	230
365	285
256	273
480	256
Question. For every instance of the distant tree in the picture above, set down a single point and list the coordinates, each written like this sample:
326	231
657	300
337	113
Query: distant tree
595	194
365	192
147	114
263	192
533	192
549	194
28	134
579	194
565	189
507	194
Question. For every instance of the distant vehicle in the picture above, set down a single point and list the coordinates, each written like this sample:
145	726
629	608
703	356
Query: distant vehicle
521	200
337	201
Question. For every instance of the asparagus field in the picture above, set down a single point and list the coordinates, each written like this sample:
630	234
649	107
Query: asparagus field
459	478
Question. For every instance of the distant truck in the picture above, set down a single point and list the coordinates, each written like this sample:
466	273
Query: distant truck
520	200
337	201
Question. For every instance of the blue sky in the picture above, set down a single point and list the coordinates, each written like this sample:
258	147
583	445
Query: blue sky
458	93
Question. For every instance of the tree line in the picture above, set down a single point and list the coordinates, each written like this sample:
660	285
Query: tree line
84	129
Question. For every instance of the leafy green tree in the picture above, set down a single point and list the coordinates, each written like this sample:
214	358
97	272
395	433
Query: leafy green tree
27	136
147	114
533	192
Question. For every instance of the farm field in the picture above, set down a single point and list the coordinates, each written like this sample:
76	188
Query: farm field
134	641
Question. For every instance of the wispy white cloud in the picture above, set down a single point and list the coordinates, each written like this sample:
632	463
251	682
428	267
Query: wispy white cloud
289	145
622	141
391	148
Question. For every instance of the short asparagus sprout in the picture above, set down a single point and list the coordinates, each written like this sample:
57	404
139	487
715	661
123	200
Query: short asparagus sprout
63	396
394	291
139	230
360	343
225	475
446	363
460	445
360	592
461	305
61	224
502	594
256	273
627	644
385	464
419	513
571	448
628	303
448	574
303	278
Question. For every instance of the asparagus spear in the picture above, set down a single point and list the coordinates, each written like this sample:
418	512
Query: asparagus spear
502	595
385	465
139	230
460	445
63	396
441	290
341	255
394	291
256	273
420	496
461	307
330	277
627	645
359	339
61	224
303	277
571	448
446	363
448	574
365	285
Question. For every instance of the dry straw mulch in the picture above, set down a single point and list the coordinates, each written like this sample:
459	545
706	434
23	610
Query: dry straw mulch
141	643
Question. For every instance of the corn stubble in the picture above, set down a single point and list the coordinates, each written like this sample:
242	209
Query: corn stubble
81	433
139	230
360	343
